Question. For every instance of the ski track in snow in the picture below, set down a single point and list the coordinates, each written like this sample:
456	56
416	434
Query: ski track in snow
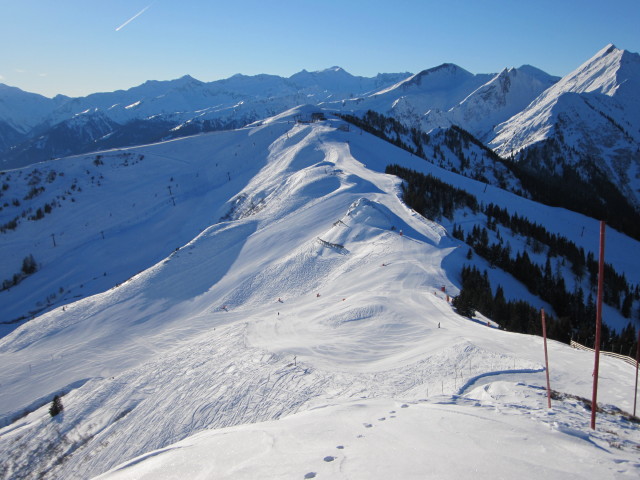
304	300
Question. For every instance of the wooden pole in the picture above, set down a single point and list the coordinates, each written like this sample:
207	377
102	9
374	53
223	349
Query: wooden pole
635	392
546	357
594	397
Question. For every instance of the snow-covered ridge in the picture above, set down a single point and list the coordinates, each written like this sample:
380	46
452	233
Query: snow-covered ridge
281	275
504	95
611	72
182	95
436	89
592	114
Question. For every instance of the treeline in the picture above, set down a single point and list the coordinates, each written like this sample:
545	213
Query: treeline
540	281
433	198
542	170
579	186
513	315
390	130
519	316
618	293
29	267
429	195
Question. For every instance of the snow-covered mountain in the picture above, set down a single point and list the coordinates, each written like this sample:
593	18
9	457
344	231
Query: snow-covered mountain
245	276
260	302
22	110
582	130
34	128
505	95
588	121
434	89
449	95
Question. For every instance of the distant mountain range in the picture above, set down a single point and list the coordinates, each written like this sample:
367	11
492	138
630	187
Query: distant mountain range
35	128
584	127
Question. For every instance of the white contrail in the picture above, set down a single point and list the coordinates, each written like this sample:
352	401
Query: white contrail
134	17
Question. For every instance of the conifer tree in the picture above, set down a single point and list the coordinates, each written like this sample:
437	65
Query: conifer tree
29	265
56	406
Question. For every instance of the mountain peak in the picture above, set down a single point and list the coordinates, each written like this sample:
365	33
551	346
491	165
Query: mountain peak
334	69
610	48
327	71
444	68
442	74
188	80
537	73
591	113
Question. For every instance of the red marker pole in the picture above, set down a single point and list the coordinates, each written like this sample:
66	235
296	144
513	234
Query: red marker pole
635	392
546	357
594	397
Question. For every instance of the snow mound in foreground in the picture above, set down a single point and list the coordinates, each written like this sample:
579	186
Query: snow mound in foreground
382	439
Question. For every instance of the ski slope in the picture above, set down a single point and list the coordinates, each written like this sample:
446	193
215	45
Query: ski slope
302	306
498	431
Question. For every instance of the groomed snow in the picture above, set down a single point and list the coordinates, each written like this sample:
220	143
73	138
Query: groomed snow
310	317
499	431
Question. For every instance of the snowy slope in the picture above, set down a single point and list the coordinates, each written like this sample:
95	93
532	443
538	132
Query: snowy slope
436	89
611	72
116	210
449	95
381	439
592	113
292	289
505	95
135	190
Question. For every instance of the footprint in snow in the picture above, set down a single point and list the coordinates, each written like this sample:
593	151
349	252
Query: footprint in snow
392	411
382	419
404	405
329	458
340	447
367	425
310	475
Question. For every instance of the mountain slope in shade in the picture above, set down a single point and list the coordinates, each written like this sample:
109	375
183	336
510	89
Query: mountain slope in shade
592	117
22	110
9	136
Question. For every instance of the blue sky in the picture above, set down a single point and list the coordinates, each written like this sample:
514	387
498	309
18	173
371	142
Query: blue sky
74	47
